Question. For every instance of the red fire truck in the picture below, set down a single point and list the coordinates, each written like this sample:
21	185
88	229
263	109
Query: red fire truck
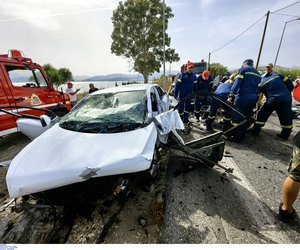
24	83
199	67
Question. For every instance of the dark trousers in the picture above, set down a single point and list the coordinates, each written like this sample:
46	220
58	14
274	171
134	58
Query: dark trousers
245	104
199	102
215	105
284	112
184	110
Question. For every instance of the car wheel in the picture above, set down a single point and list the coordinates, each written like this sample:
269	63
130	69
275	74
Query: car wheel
155	164
150	175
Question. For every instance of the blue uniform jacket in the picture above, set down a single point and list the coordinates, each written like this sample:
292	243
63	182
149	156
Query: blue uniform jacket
185	84
277	87
223	89
246	83
203	84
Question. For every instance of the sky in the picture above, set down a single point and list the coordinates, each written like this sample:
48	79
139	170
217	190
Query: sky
76	34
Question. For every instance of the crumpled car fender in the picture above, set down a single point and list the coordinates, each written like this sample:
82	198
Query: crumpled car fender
61	157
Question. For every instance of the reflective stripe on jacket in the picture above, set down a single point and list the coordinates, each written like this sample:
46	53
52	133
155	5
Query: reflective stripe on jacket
185	84
246	82
276	86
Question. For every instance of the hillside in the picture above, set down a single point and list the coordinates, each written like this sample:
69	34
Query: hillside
113	77
118	77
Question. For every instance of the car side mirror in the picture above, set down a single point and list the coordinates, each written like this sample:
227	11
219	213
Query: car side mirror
45	120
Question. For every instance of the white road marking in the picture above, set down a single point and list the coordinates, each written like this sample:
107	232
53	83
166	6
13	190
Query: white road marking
263	218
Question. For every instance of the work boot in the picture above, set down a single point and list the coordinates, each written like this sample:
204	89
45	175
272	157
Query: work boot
225	127
187	129
209	127
285	215
254	132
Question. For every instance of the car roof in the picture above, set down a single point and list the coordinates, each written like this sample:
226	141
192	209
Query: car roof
124	88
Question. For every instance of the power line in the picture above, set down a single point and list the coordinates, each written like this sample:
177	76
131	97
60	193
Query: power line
285	14
274	12
286	7
238	35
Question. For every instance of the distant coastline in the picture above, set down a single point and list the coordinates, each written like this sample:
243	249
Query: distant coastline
114	77
84	85
118	77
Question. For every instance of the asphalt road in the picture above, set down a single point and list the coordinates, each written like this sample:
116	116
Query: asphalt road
205	205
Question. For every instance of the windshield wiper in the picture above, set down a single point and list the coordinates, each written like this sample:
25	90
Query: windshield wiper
132	126
92	128
109	127
70	125
101	128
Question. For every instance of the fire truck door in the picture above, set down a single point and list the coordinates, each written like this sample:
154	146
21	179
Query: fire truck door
7	122
29	88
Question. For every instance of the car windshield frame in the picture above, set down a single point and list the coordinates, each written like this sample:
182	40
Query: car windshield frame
108	112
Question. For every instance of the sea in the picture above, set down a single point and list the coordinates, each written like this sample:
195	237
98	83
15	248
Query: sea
84	86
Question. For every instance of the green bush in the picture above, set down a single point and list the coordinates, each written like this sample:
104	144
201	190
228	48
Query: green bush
293	73
167	83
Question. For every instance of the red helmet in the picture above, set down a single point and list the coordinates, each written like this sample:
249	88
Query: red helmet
205	74
190	65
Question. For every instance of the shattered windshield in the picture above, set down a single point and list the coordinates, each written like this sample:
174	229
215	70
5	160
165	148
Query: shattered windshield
107	113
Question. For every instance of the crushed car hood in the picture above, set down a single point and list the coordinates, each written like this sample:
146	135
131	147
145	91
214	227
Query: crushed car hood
61	157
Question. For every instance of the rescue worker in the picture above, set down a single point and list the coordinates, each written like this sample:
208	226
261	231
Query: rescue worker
243	95
203	86
225	78
291	185
222	92
184	86
277	89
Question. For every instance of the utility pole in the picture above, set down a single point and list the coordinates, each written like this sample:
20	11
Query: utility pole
209	60
164	43
262	40
282	38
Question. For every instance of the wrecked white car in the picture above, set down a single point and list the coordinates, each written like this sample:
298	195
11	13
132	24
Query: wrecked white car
114	134
109	132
